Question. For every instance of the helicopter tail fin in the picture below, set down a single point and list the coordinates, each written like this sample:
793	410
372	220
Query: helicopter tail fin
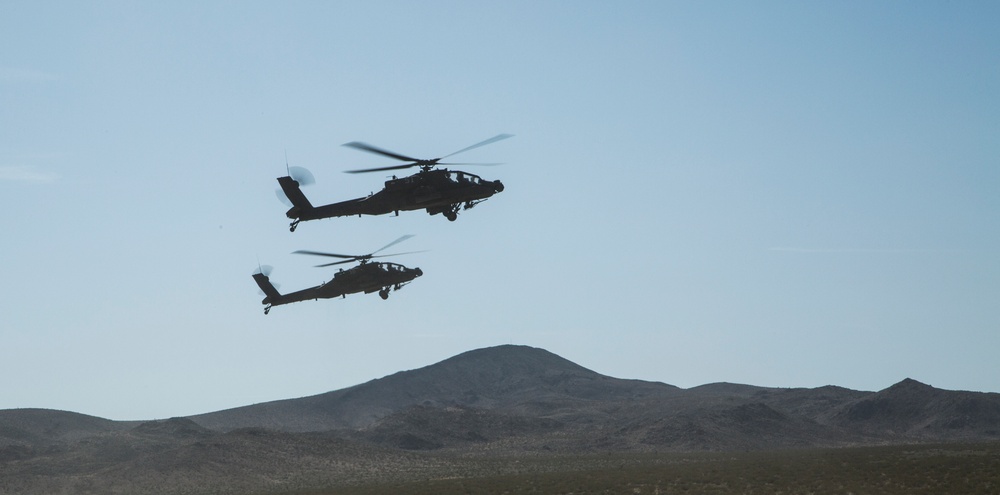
266	286
294	194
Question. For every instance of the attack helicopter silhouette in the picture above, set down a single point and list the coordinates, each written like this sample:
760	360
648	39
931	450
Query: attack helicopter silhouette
367	277
434	190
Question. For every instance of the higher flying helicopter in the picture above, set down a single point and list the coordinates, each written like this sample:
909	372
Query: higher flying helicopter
435	190
368	276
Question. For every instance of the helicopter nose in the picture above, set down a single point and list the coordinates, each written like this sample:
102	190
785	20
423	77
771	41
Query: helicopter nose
418	271
497	186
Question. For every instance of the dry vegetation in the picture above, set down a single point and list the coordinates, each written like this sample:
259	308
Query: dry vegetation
926	469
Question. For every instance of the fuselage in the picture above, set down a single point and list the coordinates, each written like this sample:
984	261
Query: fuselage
366	278
433	190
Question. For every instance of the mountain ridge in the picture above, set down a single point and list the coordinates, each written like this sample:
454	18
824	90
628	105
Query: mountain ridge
516	381
501	377
498	402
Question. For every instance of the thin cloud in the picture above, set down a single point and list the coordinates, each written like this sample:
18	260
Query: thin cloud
23	173
16	74
854	250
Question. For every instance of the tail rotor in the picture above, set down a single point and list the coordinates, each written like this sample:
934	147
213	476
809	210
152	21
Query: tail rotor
267	289
301	175
290	193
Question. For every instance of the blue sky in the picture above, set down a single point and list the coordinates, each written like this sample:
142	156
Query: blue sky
776	193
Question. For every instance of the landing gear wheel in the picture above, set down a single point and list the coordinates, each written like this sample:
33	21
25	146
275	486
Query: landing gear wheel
292	226
267	310
384	294
450	215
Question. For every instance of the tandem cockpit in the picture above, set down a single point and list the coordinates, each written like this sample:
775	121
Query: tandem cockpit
392	267
465	178
438	176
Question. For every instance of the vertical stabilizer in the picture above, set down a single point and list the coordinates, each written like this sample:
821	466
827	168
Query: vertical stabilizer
266	286
294	194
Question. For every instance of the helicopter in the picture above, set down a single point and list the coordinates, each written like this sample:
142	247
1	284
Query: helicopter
367	277
435	190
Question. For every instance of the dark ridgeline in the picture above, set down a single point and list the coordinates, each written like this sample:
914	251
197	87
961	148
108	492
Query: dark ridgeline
505	400
506	379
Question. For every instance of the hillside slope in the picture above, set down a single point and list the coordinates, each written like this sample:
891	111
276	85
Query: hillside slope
487	404
517	379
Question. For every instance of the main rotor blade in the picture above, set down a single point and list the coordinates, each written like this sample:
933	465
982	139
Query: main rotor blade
348	258
359	258
379	169
491	140
379	151
336	263
399	254
467	164
393	243
332	255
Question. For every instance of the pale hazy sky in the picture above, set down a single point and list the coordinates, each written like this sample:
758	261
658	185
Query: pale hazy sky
787	194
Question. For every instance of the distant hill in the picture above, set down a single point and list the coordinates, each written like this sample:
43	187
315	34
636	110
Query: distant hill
498	401
913	410
530	399
44	426
516	379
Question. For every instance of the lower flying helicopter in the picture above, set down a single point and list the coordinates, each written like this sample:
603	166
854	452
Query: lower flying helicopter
366	277
435	190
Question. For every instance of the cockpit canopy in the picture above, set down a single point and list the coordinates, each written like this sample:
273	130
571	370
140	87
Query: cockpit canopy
435	177
392	267
464	177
